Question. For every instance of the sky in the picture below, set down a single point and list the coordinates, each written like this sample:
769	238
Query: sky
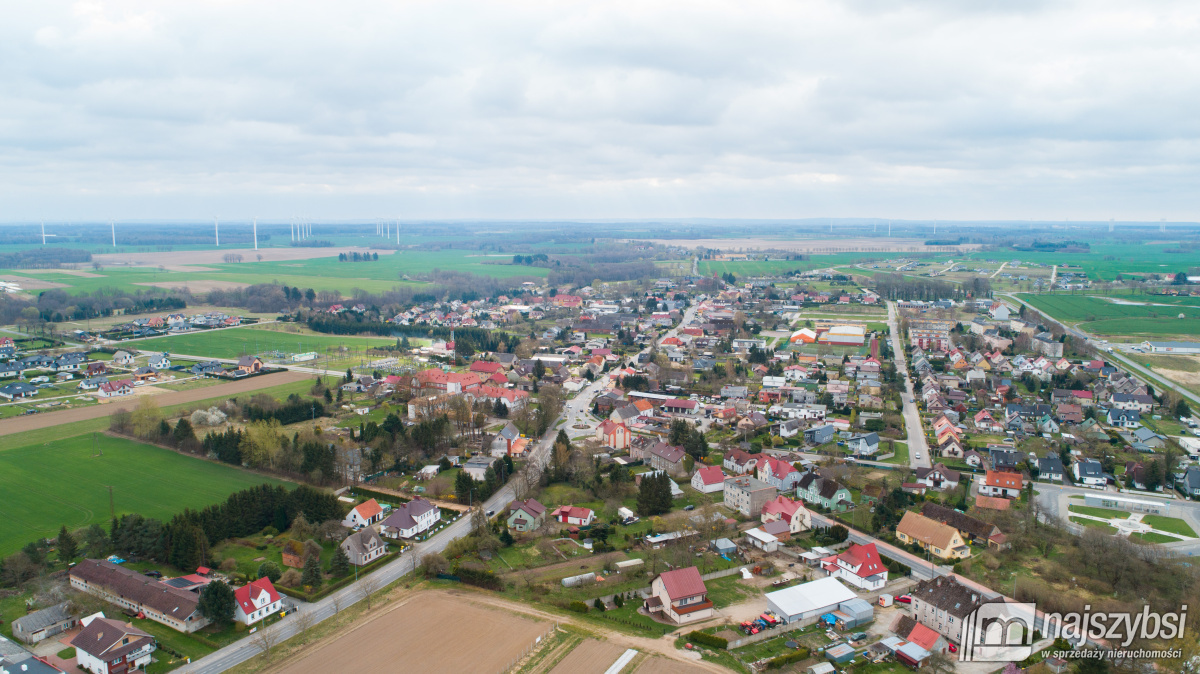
987	109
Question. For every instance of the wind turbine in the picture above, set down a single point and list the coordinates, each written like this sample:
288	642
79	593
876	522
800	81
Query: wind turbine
217	229
114	232
256	234
44	234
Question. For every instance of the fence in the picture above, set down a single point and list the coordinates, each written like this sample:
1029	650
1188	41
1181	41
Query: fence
513	664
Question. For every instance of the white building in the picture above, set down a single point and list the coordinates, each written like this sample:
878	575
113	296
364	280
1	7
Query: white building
363	514
809	600
256	600
106	646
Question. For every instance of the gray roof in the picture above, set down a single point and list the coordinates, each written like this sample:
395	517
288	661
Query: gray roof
42	619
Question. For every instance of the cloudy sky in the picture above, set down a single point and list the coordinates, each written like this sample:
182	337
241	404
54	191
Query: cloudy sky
614	109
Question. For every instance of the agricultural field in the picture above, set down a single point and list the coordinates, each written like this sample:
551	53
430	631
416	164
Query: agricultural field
768	267
415	634
236	342
319	273
1119	315
47	485
1104	260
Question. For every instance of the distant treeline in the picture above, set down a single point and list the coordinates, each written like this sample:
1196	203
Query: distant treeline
896	287
312	243
42	258
358	257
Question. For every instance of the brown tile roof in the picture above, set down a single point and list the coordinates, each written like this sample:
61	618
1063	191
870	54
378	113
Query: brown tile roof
961	521
947	594
103	636
133	586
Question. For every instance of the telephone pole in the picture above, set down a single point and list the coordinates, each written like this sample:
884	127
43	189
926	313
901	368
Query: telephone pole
112	510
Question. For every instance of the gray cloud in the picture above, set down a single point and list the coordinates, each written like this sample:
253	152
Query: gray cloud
456	109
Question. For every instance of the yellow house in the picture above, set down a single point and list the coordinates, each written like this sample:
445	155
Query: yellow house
941	540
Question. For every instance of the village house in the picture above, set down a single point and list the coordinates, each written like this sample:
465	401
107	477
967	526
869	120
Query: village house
938	477
824	492
410	519
789	511
662	456
1002	483
106	646
680	596
972	529
256	600
526	515
44	624
364	546
708	479
941	540
859	566
739	462
613	434
778	473
363	514
574	516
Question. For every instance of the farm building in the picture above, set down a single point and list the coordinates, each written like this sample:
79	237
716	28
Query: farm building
809	600
129	589
1171	347
43	624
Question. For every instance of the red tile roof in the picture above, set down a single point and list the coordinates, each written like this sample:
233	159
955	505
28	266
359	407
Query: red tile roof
924	637
368	509
711	475
865	558
247	593
682	583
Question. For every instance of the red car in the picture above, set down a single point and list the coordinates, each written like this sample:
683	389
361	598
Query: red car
904	599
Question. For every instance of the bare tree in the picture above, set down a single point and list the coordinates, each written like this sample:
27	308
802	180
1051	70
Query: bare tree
304	620
367	586
336	599
265	640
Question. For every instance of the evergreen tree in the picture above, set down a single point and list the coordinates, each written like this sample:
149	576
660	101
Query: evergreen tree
68	549
489	482
311	576
499	409
506	538
463	485
189	546
183	431
339	566
217	602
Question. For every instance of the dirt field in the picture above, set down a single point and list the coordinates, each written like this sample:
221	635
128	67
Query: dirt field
665	666
880	245
431	632
197	286
217	255
35	421
590	657
32	283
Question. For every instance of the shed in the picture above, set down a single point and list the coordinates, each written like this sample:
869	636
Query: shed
859	609
892	643
724	546
581	579
822	668
911	654
842	653
43	624
809	600
762	540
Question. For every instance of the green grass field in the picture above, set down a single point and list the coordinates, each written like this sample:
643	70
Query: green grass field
323	273
1094	524
236	342
50	484
1172	525
1073	308
1126	259
1098	512
815	261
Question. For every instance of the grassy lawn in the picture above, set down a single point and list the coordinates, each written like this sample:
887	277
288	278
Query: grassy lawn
1094	523
1106	513
236	342
47	485
1172	525
1151	537
729	590
901	456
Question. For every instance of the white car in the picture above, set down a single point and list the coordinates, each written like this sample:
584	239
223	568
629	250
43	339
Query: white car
918	455
39	380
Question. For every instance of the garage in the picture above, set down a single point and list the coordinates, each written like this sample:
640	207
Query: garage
810	600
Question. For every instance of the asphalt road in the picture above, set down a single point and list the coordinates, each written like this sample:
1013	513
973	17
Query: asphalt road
576	411
918	451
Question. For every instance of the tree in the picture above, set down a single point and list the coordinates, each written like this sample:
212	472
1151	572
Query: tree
68	549
95	541
183	432
463	487
269	569
217	602
312	571
339	566
147	417
499	409
433	564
